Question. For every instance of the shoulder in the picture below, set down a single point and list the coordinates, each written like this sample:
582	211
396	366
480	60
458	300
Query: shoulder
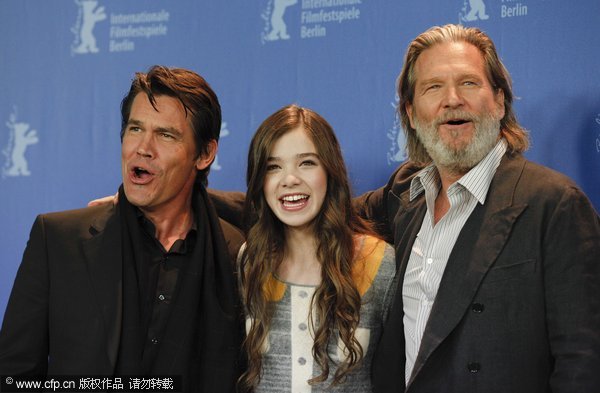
228	204
402	177
372	249
542	177
536	183
375	260
530	175
88	219
233	237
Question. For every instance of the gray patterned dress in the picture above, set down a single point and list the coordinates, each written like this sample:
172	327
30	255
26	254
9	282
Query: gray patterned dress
287	361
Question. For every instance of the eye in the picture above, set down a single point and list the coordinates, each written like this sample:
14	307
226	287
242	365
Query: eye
272	167
166	135
134	129
309	163
432	87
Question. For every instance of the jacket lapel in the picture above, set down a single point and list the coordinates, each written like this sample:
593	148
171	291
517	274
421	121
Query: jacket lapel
103	253
390	355
480	242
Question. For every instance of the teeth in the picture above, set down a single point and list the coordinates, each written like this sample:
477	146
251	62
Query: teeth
294	198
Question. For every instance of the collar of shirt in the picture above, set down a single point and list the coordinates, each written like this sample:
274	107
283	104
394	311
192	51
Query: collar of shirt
477	181
181	246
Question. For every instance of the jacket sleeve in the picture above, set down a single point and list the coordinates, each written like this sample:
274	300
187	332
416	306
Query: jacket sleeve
229	205
376	206
572	290
24	334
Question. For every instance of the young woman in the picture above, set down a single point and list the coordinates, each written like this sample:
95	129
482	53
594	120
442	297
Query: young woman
314	281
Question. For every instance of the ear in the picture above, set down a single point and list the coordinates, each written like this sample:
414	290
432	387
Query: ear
409	111
500	102
208	156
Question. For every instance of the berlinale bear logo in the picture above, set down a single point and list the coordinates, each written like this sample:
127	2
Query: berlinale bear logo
20	137
598	139
476	12
88	16
275	28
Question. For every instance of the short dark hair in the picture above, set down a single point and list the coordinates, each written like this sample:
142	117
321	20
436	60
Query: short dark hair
194	93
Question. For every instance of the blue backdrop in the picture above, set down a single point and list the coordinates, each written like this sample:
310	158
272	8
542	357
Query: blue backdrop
65	65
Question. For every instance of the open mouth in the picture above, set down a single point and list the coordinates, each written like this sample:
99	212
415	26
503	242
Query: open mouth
140	172
294	201
140	175
456	122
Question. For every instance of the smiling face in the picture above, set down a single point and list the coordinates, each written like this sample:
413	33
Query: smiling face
455	110
295	183
158	155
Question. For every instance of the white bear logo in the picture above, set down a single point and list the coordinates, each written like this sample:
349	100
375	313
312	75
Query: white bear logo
277	24
21	136
477	11
598	139
397	151
89	15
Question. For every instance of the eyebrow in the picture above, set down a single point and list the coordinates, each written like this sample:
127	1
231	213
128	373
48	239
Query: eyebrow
437	79
171	130
301	155
134	122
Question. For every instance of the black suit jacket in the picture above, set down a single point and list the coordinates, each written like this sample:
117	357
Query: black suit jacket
518	307
65	310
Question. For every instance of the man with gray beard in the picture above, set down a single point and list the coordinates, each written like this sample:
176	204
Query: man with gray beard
498	258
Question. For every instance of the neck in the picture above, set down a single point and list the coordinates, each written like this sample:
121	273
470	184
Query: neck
442	204
449	177
171	226
300	264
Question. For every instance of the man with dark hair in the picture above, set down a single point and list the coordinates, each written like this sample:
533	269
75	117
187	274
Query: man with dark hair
144	287
498	258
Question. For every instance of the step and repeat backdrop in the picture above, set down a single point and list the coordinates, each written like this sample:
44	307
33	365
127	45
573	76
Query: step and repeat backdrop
66	64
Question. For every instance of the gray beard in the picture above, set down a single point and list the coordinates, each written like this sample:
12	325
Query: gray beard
459	161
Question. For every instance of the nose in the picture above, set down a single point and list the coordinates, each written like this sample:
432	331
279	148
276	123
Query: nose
452	98
290	179
145	147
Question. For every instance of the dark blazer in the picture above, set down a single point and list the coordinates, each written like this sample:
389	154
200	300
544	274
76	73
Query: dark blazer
65	310
518	307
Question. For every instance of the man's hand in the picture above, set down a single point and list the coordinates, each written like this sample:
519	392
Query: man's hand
107	199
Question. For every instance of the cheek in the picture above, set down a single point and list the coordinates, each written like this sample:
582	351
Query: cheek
321	183
126	148
269	189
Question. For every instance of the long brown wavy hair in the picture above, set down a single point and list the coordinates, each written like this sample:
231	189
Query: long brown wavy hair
516	136
336	301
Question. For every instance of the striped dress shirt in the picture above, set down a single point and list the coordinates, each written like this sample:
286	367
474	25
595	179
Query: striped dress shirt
434	243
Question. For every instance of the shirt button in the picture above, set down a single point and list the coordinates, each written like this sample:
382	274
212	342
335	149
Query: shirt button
302	361
161	297
429	261
302	326
154	340
477	308
302	294
474	367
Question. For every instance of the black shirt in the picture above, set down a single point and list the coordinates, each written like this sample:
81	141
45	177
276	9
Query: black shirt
160	280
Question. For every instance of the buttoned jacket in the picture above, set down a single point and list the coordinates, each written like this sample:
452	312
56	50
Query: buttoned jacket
518	307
